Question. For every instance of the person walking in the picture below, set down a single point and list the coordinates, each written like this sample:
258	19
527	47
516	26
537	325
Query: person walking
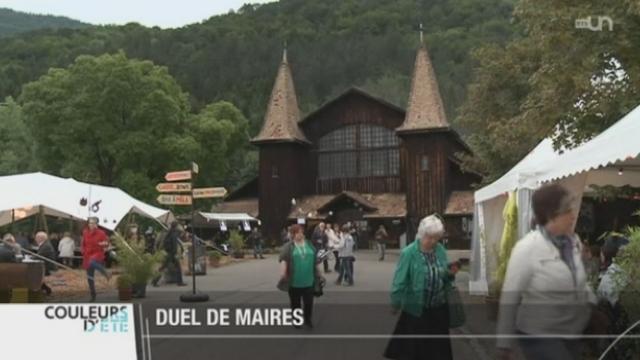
94	244
299	271
333	240
345	252
46	250
149	241
545	289
66	249
421	282
319	240
255	239
170	245
381	238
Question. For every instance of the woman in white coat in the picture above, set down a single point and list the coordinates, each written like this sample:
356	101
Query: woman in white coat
545	290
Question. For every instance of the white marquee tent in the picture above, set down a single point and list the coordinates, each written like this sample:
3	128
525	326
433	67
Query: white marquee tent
25	195
611	158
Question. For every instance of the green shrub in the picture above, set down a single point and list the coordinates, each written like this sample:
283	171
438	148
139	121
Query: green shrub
137	266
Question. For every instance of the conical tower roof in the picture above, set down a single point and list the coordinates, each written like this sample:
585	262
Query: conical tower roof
425	111
282	116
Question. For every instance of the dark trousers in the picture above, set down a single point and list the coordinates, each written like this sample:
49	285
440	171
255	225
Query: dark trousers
91	271
170	259
337	266
297	296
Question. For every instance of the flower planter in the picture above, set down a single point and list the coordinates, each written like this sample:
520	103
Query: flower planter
125	294
214	261
139	291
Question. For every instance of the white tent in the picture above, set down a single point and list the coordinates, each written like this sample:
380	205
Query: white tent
28	194
611	158
238	217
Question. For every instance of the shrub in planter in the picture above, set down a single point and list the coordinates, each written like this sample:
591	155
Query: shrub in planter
125	292
137	265
236	241
214	258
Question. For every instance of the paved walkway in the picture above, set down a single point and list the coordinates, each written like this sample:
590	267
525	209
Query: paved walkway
350	322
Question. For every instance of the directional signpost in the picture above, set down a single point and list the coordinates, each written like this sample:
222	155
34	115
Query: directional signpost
212	192
178	175
174	187
187	199
174	199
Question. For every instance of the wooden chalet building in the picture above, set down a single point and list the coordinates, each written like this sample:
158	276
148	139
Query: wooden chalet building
359	158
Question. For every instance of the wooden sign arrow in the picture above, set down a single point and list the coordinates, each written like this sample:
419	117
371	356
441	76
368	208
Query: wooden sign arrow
173	187
178	175
214	192
174	199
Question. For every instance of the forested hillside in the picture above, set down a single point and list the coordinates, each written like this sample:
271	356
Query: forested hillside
14	22
333	44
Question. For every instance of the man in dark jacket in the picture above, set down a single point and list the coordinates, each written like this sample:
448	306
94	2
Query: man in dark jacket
319	240
255	239
46	250
170	246
8	249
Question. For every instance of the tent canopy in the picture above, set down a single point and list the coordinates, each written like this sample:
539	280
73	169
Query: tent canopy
227	216
523	175
610	158
24	195
615	148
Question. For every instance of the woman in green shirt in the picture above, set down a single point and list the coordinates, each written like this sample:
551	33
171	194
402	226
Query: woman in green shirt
420	285
299	268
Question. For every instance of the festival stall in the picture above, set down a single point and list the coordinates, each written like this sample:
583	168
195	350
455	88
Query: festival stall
610	159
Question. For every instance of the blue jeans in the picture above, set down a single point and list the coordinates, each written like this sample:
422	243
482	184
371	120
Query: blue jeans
346	270
257	250
93	266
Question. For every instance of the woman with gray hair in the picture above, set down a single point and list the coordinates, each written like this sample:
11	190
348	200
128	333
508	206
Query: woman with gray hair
420	286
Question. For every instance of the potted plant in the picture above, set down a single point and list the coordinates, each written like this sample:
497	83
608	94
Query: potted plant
214	258
236	241
629	276
125	291
137	265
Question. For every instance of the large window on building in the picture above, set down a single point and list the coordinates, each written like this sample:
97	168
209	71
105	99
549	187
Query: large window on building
358	151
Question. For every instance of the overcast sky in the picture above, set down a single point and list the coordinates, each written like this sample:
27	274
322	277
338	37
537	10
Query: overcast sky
162	13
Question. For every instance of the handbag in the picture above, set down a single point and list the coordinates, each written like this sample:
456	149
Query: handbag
283	284
457	316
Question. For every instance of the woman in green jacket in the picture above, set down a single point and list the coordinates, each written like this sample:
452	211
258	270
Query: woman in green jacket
299	272
420	286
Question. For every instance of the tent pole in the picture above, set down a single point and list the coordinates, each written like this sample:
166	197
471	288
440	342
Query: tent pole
13	219
43	218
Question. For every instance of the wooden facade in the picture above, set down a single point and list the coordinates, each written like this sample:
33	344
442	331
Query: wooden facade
283	175
290	170
358	158
354	107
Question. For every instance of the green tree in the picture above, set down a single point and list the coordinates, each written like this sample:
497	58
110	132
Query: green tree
124	122
555	80
17	144
103	115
